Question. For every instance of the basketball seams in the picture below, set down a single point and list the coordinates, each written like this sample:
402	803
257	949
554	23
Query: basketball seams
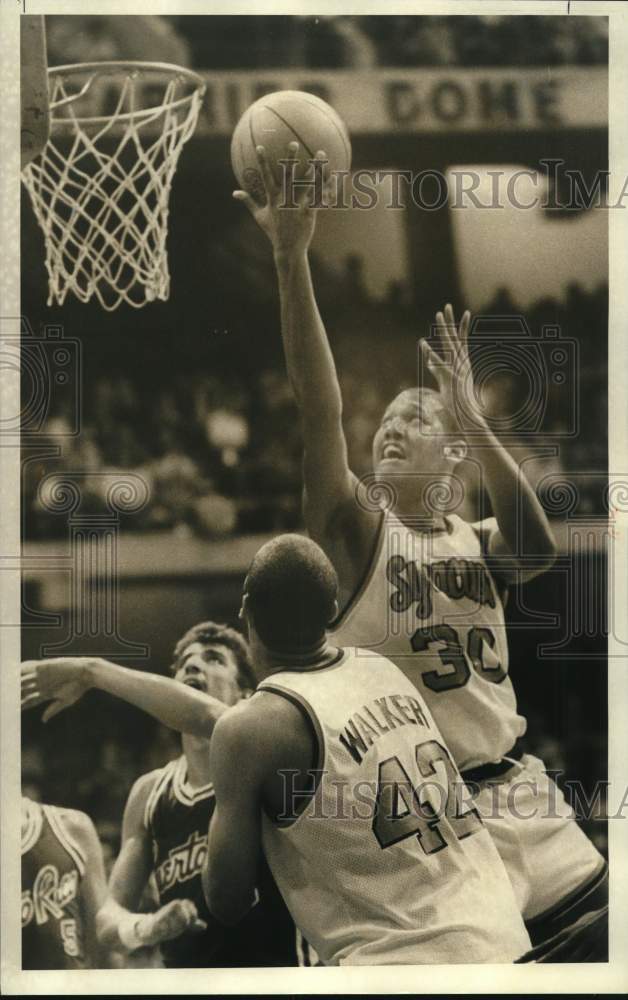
292	129
251	130
333	121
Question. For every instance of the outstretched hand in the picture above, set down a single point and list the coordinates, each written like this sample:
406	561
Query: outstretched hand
289	229
452	367
61	681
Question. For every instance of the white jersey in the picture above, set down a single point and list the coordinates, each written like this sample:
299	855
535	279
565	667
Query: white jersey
384	865
430	604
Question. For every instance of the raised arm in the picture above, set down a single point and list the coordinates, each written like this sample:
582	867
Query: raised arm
521	544
333	517
119	924
64	680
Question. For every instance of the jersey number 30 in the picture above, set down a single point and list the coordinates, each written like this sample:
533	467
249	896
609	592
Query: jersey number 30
405	809
452	655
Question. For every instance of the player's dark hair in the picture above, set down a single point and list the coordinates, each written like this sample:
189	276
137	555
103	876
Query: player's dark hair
220	635
291	592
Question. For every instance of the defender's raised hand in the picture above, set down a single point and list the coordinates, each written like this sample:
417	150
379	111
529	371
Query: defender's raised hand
451	367
62	681
289	229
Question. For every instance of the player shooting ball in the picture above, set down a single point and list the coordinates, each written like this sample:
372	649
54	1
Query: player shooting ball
423	588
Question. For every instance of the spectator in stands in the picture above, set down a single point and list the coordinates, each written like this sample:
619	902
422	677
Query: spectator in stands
88	38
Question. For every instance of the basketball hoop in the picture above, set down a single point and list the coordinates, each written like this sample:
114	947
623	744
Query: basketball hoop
101	185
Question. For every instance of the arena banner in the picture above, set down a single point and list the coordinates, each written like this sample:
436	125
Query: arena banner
435	100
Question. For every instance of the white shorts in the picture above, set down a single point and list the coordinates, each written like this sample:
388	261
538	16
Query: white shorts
546	854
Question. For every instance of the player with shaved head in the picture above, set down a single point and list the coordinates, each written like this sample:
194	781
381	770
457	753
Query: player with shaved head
342	779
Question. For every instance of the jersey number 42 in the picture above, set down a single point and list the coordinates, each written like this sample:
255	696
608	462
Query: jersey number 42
426	807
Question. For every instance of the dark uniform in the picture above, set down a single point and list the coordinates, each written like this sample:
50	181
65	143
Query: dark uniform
53	866
177	819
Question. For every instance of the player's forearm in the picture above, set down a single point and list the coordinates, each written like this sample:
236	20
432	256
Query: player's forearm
117	927
171	703
309	360
520	517
110	917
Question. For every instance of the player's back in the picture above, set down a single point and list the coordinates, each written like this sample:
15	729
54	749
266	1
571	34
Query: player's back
53	866
177	817
382	866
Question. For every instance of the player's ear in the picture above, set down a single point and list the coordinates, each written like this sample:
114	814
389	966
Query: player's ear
455	451
243	612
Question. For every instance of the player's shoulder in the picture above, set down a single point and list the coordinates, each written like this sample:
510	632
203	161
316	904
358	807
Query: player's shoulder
485	524
350	527
274	709
483	529
141	791
146	783
75	829
240	726
75	821
141	800
285	726
258	726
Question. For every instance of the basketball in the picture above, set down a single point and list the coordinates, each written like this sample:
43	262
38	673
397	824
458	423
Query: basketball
278	119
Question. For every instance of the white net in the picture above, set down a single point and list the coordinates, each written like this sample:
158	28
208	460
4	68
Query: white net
100	188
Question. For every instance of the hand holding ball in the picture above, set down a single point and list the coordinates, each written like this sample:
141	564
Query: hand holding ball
276	120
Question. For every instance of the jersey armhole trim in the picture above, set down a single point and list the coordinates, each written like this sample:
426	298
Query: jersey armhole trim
371	563
319	740
155	792
34	823
483	535
482	531
304	670
65	839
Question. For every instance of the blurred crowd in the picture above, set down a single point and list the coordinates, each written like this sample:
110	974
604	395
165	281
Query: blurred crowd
219	446
331	42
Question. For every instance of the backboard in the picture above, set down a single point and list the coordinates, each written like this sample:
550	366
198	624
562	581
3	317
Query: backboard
35	122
